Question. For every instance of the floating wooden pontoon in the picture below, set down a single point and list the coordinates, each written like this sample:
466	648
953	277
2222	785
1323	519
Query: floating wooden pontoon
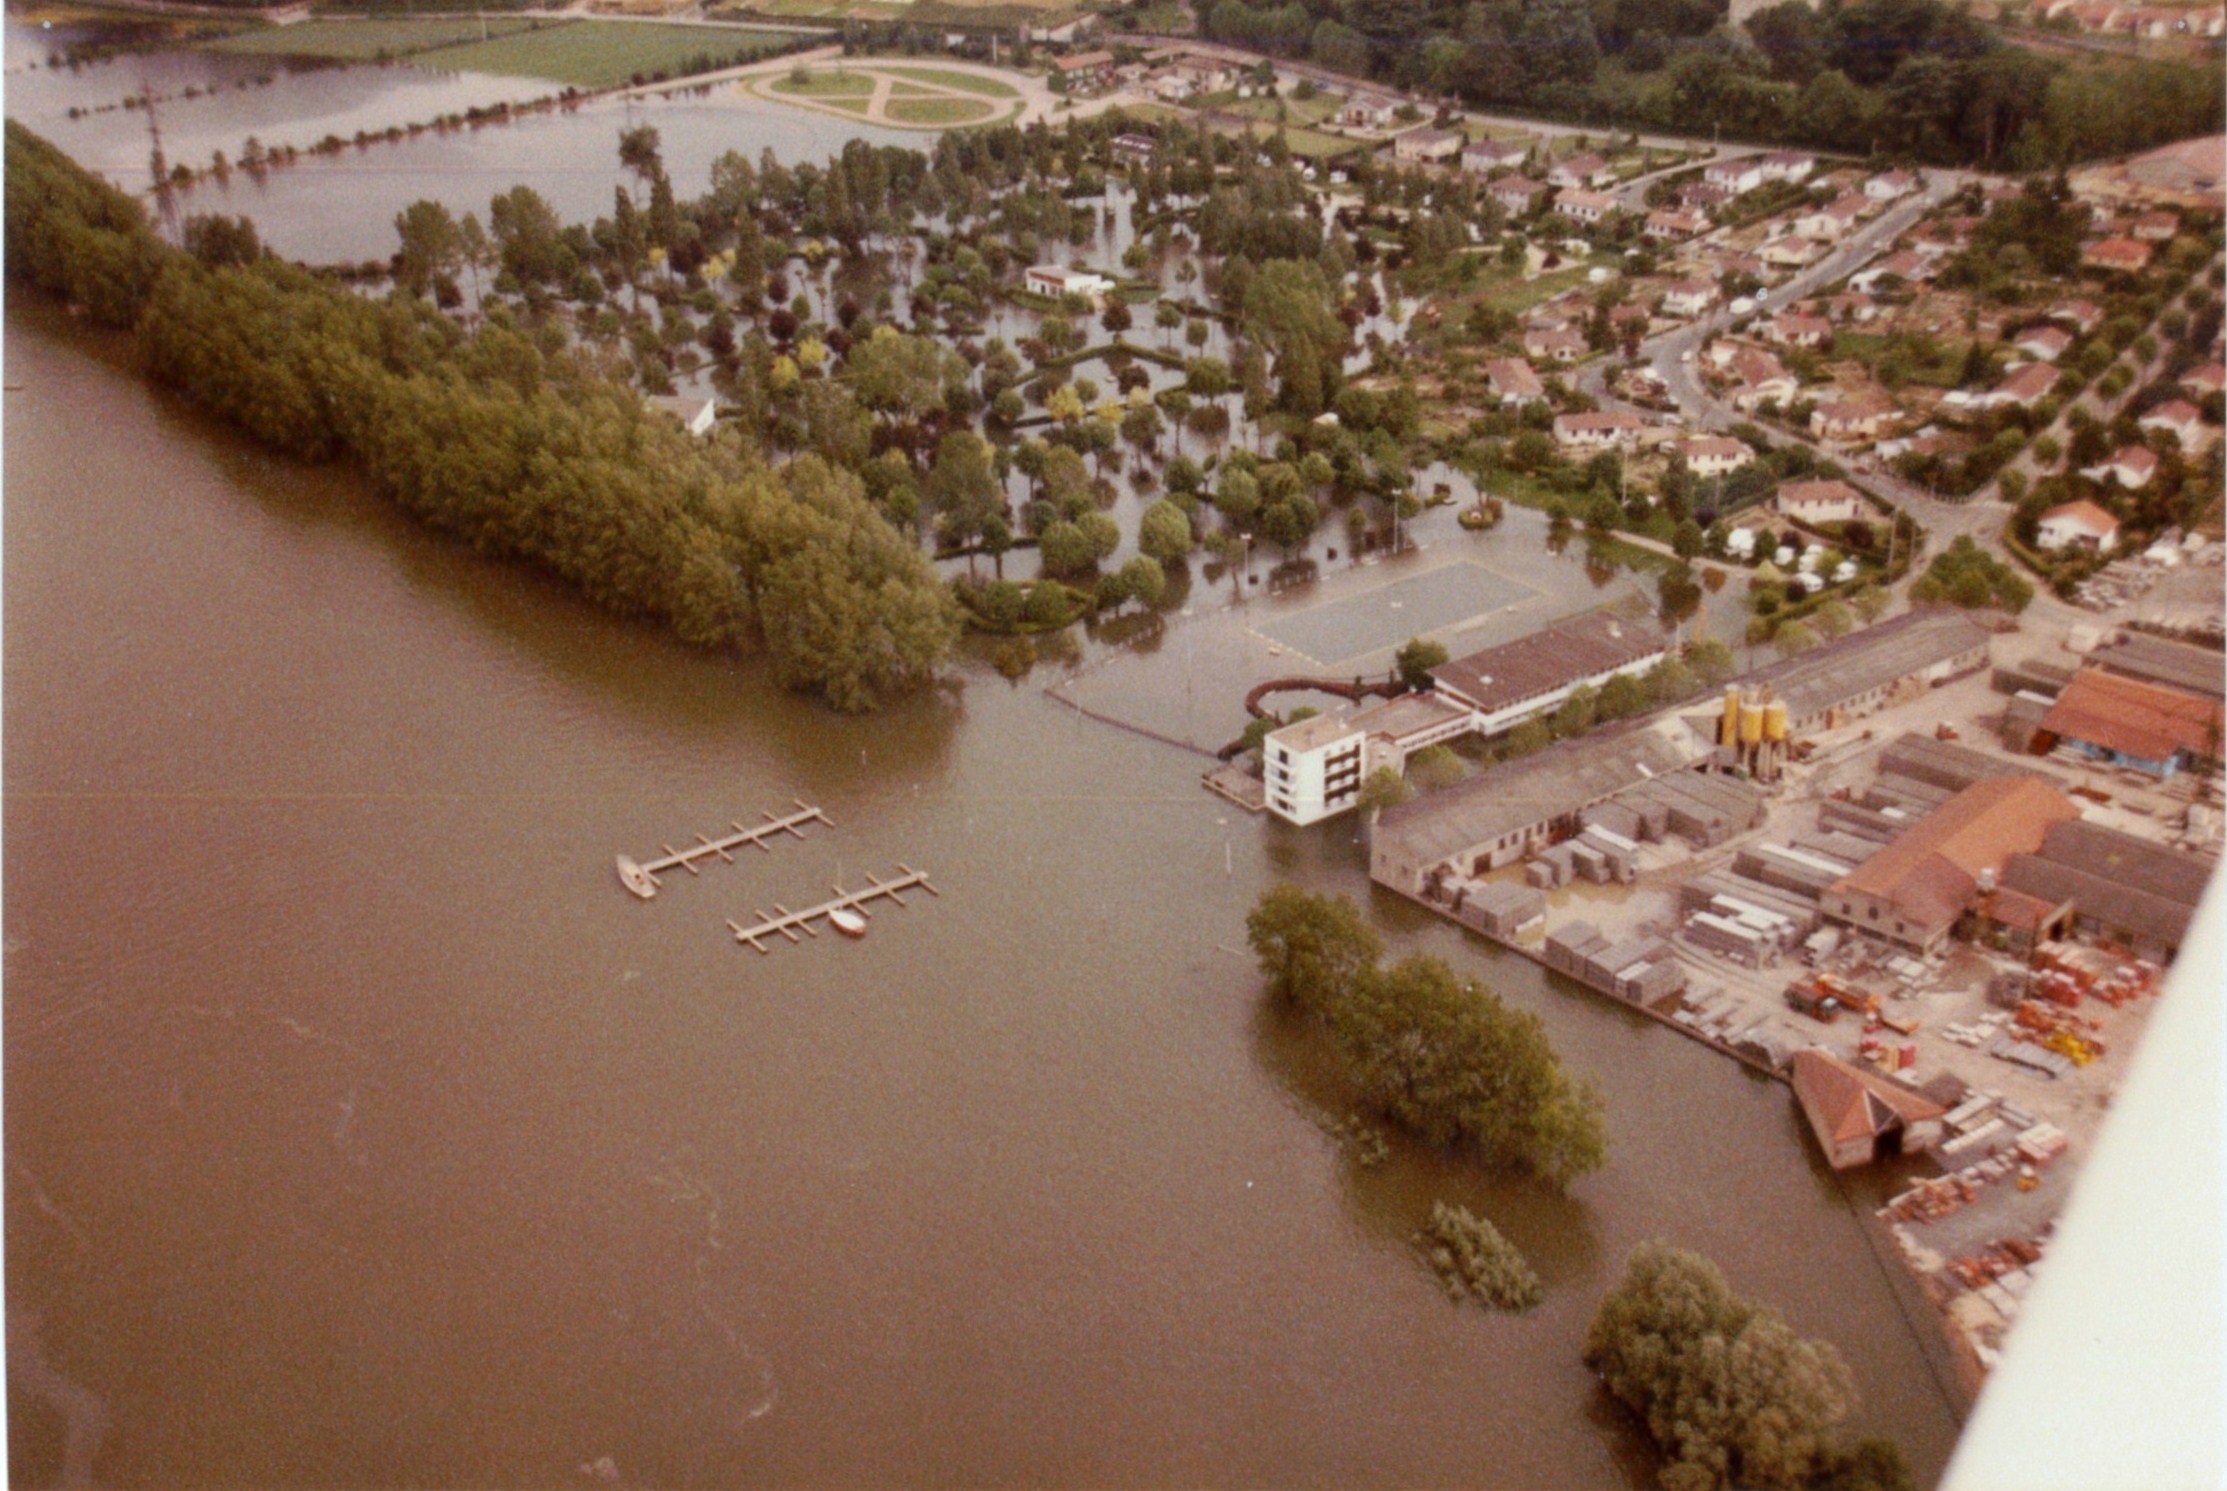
787	923
641	878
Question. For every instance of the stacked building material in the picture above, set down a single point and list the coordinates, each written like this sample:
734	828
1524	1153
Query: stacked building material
1861	821
1705	894
1570	945
1590	862
1618	852
1852	848
1503	911
1618	818
1802	871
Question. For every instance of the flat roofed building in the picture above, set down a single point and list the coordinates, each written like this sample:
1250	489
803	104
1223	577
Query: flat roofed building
1867	670
1313	768
1492	819
1506	685
1913	892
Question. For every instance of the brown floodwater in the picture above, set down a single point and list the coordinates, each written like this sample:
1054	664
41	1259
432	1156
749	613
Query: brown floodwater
361	1130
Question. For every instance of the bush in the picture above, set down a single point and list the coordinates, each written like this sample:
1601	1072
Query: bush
1473	1258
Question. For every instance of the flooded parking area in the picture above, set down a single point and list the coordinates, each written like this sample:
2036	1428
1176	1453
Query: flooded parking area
1342	631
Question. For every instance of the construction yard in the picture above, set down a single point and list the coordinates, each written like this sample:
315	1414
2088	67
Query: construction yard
2007	1051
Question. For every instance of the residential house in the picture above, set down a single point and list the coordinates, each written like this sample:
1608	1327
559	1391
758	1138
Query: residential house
2043	343
2204	378
1517	194
2157	227
1597	431
1512	381
1787	165
1864	417
1674	226
1084	72
2120	255
1832	220
1714	455
696	415
1791	252
1581	206
1888	185
2131	468
1735	176
1907	266
1426	144
1851	307
1483	156
1582	171
2023	388
1759	378
1134	148
1554	344
2083	316
1688	297
1792	329
1366	110
2179	418
1819	502
1059	281
2080	525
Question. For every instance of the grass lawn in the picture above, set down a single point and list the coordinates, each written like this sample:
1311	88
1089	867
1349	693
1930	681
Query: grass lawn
965	82
1521	296
357	41
1164	18
908	90
938	110
604	54
1298	114
1306	144
826	85
847	105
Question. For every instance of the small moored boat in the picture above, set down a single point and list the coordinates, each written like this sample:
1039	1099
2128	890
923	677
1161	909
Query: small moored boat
848	922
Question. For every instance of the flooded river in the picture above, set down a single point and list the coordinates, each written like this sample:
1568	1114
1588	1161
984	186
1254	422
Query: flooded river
361	1130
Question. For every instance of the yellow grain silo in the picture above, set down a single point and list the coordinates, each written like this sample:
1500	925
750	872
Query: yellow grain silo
1729	732
1774	721
1751	724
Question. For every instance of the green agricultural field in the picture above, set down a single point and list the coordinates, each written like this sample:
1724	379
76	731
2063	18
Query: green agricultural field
937	110
826	85
965	82
358	41
604	54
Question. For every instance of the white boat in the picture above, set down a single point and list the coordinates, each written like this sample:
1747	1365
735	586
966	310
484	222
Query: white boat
848	922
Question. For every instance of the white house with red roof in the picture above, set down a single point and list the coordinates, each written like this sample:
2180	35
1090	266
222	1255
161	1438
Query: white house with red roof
2131	468
2180	418
2078	525
2043	343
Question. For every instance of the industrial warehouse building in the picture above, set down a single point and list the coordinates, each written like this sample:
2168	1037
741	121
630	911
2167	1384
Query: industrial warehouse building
1421	847
1875	668
1914	891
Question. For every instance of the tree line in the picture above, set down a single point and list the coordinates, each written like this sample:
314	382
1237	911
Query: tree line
1918	78
1440	1054
502	435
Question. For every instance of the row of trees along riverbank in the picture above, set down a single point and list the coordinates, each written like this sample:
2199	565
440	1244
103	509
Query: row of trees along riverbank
504	437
